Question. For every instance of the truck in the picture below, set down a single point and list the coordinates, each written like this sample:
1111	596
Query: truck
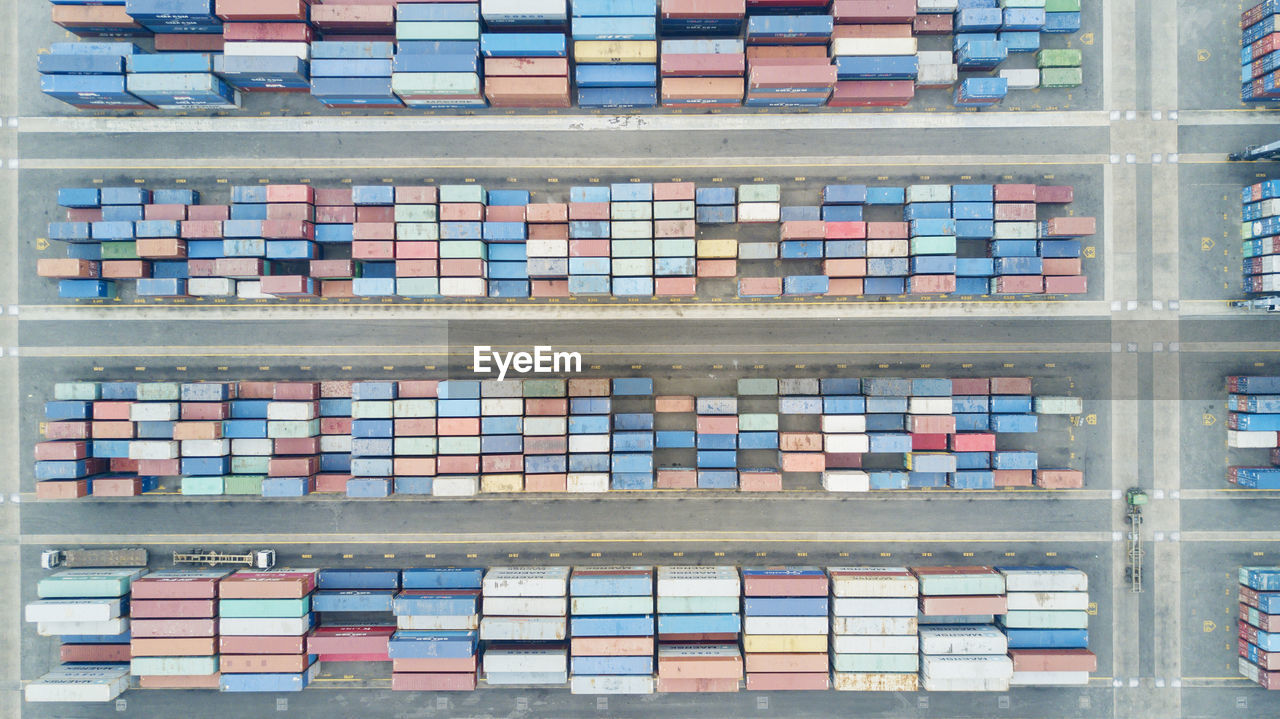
125	557
256	558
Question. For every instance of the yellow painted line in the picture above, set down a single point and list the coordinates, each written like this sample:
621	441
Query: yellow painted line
533	538
336	164
1012	493
570	301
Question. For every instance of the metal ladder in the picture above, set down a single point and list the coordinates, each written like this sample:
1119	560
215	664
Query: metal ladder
1135	550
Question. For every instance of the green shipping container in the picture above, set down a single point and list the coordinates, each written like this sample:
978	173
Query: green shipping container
415	213
1044	619
1062	5
877	663
631	248
760	386
371	409
249	465
159	391
417	286
174	666
752	422
961	584
291	429
202	485
632	230
675	248
928	193
77	391
545	388
260	608
245	484
697	605
631	211
435	83
437	31
415	446
414	408
411	231
673	210
462	250
633	267
760	193
1062	57
81	583
459	445
1061	77
611	605
119	250
933	245
462	193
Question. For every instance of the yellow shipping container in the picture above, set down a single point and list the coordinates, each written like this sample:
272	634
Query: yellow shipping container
615	51
788	643
717	249
501	483
875	682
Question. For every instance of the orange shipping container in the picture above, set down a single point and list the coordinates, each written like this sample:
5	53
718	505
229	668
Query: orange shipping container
800	441
67	267
675	287
812	681
450	682
712	88
673	403
545	482
62	489
1059	478
174	647
676	685
525	68
844	286
717	268
760	287
677	479
263	663
844	268
195	681
760	481
161	247
803	462
611	646
786	662
1053	660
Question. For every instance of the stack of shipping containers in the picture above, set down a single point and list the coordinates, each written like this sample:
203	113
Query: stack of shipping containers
435	647
458	447
960	647
590	406
611	630
1259	643
785	628
875	53
589	252
675	442
698	629
631	246
844	434
525	626
548	249
89	76
263	621
502	436
505	238
1260	233
717	442
674	246
615	53
525	53
631	461
546	434
1260	53
355	614
174	625
874	632
1253	422
787	60
703	59
349	74
293	426
265	48
1047	625
437	61
462	245
758	435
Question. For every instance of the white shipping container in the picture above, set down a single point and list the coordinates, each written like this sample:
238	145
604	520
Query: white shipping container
888	248
265	626
844	423
634	684
610	605
877	607
463	287
545	426
500	606
206	447
869	682
846	443
1049	679
928	193
969	639
1016	230
587	482
875	644
929	405
531	659
866	46
785	625
331	443
674	210
700	582
1045	580
153	449
502	387
455	486
1024	79
935	57
1059	405
759	212
588	443
873	625
933	684
680	651
872	582
252	447
547	248
299	50
846	481
363	409
211	286
526	582
937	5
757	250
1057	601
522	10
72	610
632	230
523	629
298	411
631	210
502	407
439	622
104	628
250	290
942	74
994	666
49	689
1252	440
154	411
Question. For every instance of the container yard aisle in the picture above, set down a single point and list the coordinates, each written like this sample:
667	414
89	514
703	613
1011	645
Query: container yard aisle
10	635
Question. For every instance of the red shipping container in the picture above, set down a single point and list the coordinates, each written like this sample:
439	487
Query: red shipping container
760	481
335	214
204	268
1020	284
164	212
1056	266
461	212
117	487
760	287
159	467
718	268
506	213
174	608
973	442
873	11
208	213
462	268
802	462
677	479
332	483
804	230
166	248
844	268
416	250
1009	385
350	640
928	442
697	9
123	464
527	91
267	32
61	450
933	24
101	429
292	466
414	466
673	403
1053	660
673	191
1012	477
296	445
95	653
188	42
526	67
872	93
291	211
458	464
798	681
412	427
1015	193
111	409
800	441
352	17
416	195
970	386
67	267
373	231
125	269
962	605
384	249
550	231
931	423
446	682
845	230
418	389
263	663
62	489
588	210
547	407
286	285
159	628
261	9
1055	194
1059	478
1066	285
261	645
200	229
1015	211
417	268
288	230
588	248
66	430
240	267
332	268
546	482
663	229
549	288
713	424
887	230
547	212
93	214
843	460
205	411
703	65
931	284
381	214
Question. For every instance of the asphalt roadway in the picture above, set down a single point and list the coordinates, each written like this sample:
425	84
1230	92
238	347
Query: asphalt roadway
1145	143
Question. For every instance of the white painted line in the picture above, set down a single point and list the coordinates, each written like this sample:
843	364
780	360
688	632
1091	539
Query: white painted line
1115	115
1156	158
12	164
1115	306
1173	158
1130	158
1175	536
1156	115
1115	159
1157	305
1117	536
13	309
15	498
1131	305
1157	347
1130	114
1158	494
1115	494
1133	682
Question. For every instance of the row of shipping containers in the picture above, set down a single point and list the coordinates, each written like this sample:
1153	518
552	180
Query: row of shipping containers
1260	237
598	630
622	240
464	437
1260	53
1258	645
557	54
288	439
1253	423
